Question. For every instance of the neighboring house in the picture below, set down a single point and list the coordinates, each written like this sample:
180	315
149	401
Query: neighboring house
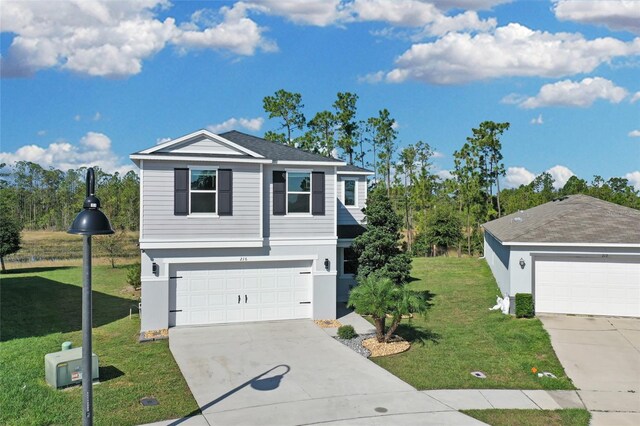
576	255
236	228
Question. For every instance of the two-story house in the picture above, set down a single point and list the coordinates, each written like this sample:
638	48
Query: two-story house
236	228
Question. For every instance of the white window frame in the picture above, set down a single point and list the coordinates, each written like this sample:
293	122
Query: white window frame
215	192
355	195
287	171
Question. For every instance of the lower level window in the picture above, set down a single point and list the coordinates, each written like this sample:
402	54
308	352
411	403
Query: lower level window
349	262
203	191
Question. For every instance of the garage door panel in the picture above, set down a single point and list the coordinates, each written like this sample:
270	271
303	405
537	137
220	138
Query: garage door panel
591	286
207	294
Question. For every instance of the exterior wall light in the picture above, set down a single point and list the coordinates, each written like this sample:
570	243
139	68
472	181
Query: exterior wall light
155	269
90	221
327	265
521	263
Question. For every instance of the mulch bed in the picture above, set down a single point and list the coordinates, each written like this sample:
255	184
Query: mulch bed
395	346
328	323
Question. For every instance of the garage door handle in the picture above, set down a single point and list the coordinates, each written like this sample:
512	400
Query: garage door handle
175	310
305	303
238	298
245	298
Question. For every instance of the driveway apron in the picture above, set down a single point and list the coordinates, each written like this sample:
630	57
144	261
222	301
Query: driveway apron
291	372
602	357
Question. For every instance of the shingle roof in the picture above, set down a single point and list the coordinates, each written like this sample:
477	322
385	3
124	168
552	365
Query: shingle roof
573	219
352	168
272	150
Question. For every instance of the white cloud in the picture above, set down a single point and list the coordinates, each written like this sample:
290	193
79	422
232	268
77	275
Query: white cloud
575	94
253	124
512	50
93	149
77	117
97	116
41	132
444	174
235	33
634	134
415	13
162	140
537	120
305	12
634	179
615	14
560	174
372	78
437	154
635	97
516	176
112	38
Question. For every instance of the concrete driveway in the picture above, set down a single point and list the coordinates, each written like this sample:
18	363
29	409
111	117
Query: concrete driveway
602	357
292	372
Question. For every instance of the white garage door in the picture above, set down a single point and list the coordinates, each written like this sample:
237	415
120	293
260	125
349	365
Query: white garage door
590	286
237	292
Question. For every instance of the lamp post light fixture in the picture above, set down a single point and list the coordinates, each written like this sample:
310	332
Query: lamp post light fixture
521	263
90	221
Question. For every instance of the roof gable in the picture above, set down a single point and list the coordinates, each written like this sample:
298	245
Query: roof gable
201	142
235	146
576	219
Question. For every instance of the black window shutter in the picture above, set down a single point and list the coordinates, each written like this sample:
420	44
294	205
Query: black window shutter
279	193
180	192
225	192
317	194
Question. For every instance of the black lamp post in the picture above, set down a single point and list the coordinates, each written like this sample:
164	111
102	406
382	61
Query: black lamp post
90	221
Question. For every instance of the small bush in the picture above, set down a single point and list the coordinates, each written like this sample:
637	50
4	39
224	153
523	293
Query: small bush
347	332
524	305
133	275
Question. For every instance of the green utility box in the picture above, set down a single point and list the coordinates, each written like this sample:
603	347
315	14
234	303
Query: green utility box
65	368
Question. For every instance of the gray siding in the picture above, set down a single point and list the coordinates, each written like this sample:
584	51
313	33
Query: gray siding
351	215
497	257
298	226
159	222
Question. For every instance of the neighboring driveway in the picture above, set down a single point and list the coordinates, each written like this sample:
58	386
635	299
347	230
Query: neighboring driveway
292	372
602	357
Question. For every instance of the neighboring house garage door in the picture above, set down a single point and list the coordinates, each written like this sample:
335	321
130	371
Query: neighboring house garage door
237	292
590	286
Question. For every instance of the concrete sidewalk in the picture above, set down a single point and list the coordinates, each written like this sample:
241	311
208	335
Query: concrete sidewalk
484	399
407	407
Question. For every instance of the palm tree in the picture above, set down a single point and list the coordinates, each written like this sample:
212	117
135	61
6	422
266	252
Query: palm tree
380	297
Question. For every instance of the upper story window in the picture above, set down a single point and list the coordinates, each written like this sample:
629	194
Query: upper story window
298	192
350	193
203	190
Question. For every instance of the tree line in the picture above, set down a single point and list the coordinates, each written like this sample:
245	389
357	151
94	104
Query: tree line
39	198
437	214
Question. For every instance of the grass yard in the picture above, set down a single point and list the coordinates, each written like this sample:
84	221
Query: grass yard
569	417
39	309
460	335
54	246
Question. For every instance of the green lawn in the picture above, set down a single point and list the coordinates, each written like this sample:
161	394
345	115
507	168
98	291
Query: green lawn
39	309
569	417
460	335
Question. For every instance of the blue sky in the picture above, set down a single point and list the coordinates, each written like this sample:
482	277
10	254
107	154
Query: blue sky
87	83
